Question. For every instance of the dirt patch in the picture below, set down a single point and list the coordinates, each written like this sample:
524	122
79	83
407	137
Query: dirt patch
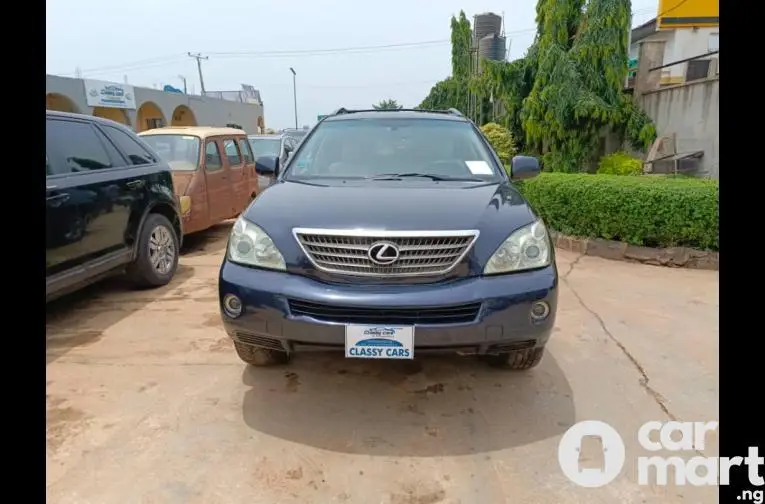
212	320
293	381
62	422
419	494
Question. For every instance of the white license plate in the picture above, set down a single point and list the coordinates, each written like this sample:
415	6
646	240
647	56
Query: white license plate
379	342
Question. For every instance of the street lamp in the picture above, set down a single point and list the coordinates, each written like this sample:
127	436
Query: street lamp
294	93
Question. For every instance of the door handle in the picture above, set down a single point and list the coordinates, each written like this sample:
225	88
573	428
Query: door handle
136	184
57	200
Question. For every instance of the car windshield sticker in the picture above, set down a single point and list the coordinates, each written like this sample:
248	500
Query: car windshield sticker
479	167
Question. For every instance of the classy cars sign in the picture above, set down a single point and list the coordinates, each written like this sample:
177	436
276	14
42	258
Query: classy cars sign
109	94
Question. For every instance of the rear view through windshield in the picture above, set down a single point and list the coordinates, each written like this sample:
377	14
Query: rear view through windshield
180	151
363	148
265	146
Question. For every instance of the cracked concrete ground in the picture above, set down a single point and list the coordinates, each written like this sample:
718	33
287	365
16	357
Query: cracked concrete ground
148	403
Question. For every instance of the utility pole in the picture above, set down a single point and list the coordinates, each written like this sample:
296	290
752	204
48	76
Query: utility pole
199	59
184	83
294	94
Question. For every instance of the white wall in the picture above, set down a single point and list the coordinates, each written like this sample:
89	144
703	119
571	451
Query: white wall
682	43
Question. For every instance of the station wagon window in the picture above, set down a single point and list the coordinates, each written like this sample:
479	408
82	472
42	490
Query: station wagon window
244	146
232	153
181	152
212	156
77	147
136	154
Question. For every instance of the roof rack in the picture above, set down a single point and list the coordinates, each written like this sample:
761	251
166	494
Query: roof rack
451	111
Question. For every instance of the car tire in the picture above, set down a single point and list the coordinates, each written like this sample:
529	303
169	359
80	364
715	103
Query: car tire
260	357
518	360
156	259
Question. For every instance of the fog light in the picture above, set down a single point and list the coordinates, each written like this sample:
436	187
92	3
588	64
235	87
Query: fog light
232	305
540	310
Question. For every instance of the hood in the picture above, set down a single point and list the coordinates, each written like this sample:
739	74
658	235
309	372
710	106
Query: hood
496	210
181	182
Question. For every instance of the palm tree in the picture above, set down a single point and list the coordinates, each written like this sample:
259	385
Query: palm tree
388	105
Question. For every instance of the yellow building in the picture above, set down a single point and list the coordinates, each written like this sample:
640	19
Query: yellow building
688	14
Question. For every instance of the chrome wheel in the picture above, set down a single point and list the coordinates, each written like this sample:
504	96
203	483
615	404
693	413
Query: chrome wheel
161	250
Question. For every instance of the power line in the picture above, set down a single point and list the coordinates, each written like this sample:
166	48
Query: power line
171	58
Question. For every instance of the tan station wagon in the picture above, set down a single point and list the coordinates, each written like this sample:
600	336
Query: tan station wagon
213	171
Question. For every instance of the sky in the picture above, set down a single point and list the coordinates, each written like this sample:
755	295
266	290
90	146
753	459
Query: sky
256	42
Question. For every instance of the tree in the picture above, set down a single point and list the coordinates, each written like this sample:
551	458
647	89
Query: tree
502	141
453	92
387	105
568	87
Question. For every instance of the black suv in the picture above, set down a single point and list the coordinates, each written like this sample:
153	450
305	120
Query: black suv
109	206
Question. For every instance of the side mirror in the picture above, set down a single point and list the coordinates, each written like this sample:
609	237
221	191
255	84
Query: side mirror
523	167
267	165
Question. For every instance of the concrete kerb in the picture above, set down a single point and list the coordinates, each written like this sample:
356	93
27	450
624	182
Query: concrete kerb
674	257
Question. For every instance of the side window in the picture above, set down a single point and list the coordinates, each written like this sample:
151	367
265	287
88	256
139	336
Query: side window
78	146
244	146
212	156
134	151
232	153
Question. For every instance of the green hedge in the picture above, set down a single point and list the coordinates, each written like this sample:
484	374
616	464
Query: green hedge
654	211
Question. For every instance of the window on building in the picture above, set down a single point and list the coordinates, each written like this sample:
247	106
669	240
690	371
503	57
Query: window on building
244	146
714	42
155	123
78	146
136	154
212	157
697	69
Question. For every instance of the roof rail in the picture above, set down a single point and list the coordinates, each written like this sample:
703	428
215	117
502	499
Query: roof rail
451	111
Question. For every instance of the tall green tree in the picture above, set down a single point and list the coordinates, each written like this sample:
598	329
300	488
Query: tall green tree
387	105
453	91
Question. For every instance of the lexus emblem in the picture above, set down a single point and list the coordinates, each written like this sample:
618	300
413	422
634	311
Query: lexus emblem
383	253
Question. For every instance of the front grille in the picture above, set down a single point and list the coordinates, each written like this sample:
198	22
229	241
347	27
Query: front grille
454	314
419	253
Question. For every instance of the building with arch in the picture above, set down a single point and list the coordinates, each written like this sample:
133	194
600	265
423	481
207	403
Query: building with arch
145	108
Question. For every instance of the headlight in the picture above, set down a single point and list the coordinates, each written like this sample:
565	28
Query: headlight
527	248
251	245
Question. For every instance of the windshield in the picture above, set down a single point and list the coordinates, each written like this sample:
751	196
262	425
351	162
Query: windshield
180	151
364	148
265	146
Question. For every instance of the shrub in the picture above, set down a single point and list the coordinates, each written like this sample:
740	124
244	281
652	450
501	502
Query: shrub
620	163
650	211
501	139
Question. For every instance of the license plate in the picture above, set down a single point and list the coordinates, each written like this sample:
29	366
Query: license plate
379	342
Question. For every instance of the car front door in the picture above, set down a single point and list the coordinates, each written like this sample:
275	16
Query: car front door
234	161
83	191
219	192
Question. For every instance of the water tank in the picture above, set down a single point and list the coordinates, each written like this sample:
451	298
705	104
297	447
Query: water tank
485	24
492	47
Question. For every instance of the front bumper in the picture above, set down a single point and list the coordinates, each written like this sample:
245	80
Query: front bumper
471	316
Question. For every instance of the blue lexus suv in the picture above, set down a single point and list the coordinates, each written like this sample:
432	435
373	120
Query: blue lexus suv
388	234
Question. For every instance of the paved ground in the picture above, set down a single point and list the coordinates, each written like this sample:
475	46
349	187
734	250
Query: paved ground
148	403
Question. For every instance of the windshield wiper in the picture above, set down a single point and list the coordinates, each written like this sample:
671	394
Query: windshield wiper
398	176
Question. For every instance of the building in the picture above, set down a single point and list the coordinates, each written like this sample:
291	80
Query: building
690	33
144	108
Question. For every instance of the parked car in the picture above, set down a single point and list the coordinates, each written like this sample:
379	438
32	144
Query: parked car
213	171
272	150
109	206
388	234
